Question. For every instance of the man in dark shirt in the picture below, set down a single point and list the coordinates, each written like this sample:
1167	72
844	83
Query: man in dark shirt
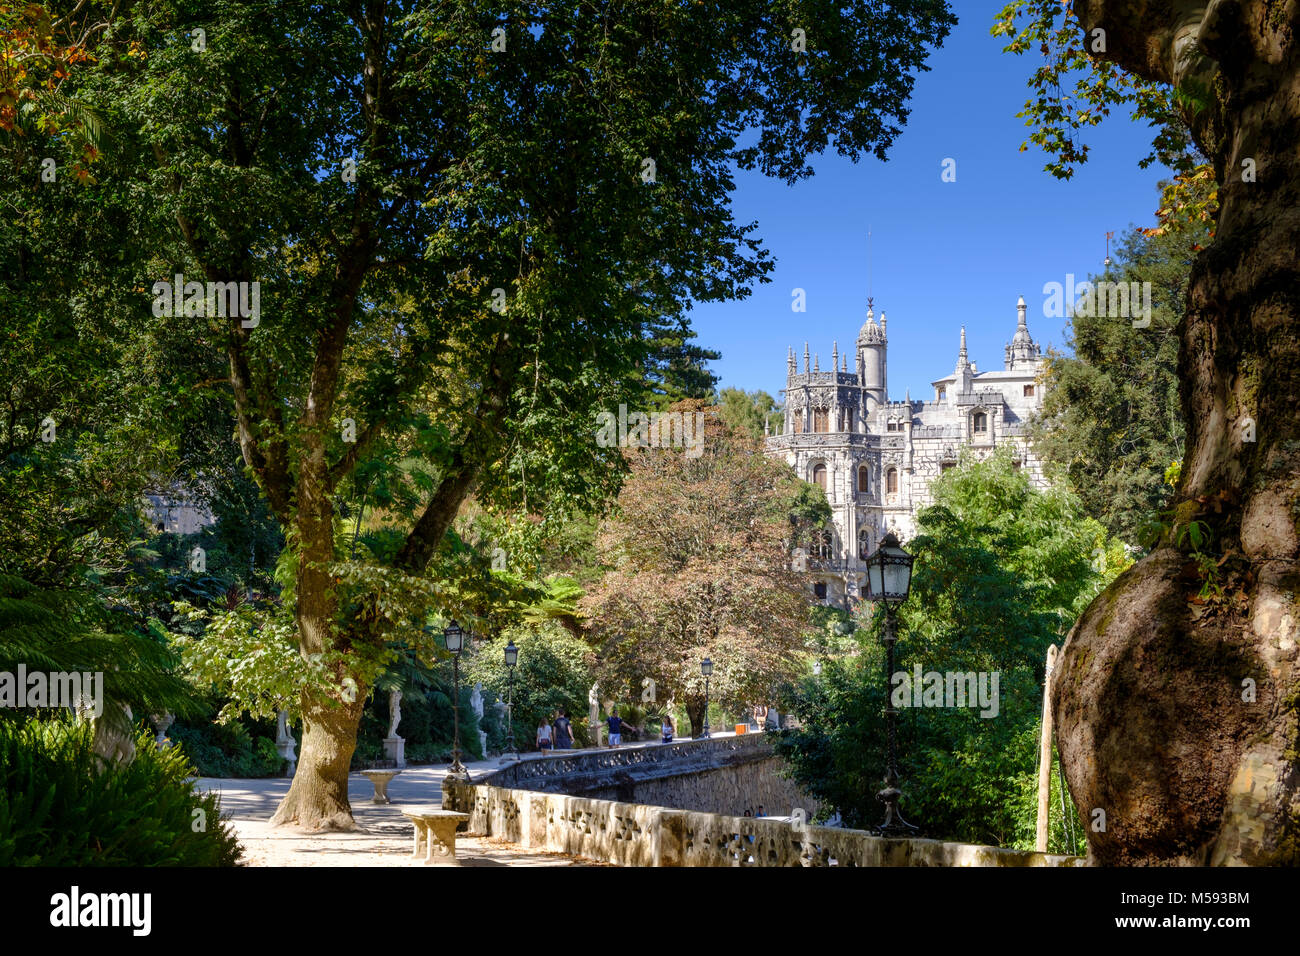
563	732
615	723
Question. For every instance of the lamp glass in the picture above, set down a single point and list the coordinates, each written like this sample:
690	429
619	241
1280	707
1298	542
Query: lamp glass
512	654
454	637
706	667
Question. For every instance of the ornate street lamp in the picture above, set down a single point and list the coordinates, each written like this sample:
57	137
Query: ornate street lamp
706	668
455	638
889	579
512	658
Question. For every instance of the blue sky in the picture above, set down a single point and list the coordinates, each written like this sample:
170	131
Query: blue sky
945	254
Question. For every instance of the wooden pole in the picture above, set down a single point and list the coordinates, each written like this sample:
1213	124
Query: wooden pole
1045	755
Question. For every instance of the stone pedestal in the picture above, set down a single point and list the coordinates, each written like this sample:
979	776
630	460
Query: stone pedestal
395	750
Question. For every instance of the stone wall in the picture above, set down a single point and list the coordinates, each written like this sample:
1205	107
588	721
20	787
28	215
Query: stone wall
630	834
719	775
730	790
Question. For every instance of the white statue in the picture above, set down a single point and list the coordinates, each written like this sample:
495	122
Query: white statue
476	700
394	711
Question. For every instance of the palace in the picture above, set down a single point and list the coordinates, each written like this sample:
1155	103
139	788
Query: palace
875	458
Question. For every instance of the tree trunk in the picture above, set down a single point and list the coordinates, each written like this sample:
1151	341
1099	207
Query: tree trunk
695	711
318	796
1177	721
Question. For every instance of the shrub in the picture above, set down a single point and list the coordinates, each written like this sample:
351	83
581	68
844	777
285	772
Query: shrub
60	805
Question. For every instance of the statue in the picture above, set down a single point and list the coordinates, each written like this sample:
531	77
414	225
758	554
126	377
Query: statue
476	700
284	743
394	711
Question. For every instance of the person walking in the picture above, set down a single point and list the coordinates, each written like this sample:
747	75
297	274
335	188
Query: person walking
615	724
544	735
563	732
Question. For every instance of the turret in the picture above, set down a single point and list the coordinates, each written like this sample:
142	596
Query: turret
871	362
1023	350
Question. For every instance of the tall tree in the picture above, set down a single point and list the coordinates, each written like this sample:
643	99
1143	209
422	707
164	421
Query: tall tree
699	559
462	215
1001	570
1193	759
1111	420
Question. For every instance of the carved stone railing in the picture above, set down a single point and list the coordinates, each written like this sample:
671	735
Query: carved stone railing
587	770
631	834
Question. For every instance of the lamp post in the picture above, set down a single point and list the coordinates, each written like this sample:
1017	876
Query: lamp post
512	658
706	668
889	578
455	638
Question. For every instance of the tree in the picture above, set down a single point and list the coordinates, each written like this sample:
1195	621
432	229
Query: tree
1111	421
1001	570
749	411
699	559
1193	761
462	220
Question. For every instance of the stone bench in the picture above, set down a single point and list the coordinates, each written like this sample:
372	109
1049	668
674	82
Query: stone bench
380	779
434	825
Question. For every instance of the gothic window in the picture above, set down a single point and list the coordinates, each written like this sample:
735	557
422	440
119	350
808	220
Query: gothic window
821	420
893	426
979	423
943	393
864	543
891	481
864	479
1029	391
823	544
819	476
819	589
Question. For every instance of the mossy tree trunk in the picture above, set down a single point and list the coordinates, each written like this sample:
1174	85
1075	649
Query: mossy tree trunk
1177	720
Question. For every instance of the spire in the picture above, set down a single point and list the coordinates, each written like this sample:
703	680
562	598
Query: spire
962	360
909	397
816	363
844	363
882	323
1023	348
805	358
835	355
793	368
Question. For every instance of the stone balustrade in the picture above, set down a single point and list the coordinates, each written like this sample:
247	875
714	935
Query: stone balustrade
632	834
586	770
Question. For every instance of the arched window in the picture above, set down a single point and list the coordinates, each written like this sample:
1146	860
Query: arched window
891	481
821	420
864	543
819	476
823	544
864	479
979	423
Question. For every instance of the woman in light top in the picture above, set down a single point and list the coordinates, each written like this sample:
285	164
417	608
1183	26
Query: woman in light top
543	735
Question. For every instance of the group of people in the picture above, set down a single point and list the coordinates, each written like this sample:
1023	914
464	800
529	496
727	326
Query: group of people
556	732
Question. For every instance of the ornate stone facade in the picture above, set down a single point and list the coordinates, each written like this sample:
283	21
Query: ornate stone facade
876	458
